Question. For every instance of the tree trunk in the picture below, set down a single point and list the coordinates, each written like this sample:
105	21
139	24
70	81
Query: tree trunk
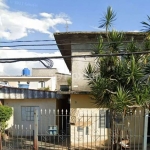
112	130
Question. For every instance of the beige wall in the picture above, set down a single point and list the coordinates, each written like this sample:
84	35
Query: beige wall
57	79
82	108
43	72
61	79
134	124
51	83
84	114
81	101
45	119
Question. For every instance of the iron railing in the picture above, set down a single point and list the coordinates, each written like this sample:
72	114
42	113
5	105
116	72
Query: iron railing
85	129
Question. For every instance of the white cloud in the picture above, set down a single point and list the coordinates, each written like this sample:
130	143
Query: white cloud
15	24
46	15
16	68
134	31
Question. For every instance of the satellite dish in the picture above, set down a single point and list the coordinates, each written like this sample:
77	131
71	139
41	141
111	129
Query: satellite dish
48	63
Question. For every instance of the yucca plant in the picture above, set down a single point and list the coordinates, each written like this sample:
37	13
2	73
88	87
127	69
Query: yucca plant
107	20
146	25
115	39
122	99
119	83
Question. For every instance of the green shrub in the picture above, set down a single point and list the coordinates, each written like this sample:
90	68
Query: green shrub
45	88
3	126
5	113
69	81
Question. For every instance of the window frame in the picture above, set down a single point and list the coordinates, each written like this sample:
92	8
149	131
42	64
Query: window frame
29	113
42	84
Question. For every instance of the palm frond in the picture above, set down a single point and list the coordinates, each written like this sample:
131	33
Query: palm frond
90	73
116	39
122	99
108	18
101	92
98	48
146	25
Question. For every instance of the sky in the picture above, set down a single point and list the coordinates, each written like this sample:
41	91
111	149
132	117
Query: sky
39	19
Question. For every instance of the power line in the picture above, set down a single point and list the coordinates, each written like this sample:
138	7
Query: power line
11	60
47	49
29	45
21	41
44	40
69	44
39	49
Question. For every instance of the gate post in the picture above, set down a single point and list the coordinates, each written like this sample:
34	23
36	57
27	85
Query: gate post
35	143
0	141
146	115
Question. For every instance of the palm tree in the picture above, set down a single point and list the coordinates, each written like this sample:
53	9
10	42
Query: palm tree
119	83
107	20
116	84
146	25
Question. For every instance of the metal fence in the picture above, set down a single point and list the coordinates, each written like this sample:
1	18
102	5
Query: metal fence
86	129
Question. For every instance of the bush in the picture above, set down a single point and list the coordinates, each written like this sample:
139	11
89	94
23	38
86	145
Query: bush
45	88
5	113
69	81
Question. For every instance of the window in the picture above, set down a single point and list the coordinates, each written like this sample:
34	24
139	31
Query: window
80	129
42	84
87	131
27	113
6	82
104	119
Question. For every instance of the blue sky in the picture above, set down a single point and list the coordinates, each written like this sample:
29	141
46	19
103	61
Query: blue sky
85	14
39	19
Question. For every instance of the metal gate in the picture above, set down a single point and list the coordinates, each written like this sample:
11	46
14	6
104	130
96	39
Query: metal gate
84	130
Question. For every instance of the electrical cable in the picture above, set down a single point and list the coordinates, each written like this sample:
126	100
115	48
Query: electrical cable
11	60
66	44
67	39
41	49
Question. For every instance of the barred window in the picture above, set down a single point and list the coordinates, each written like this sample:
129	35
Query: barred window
104	119
80	129
27	112
87	131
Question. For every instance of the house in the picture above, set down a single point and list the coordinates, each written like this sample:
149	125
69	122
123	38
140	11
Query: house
25	101
93	129
40	78
27	92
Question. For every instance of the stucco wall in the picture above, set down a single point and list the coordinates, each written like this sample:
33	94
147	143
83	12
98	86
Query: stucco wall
51	83
43	72
79	82
82	108
44	119
62	79
57	79
134	124
85	115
